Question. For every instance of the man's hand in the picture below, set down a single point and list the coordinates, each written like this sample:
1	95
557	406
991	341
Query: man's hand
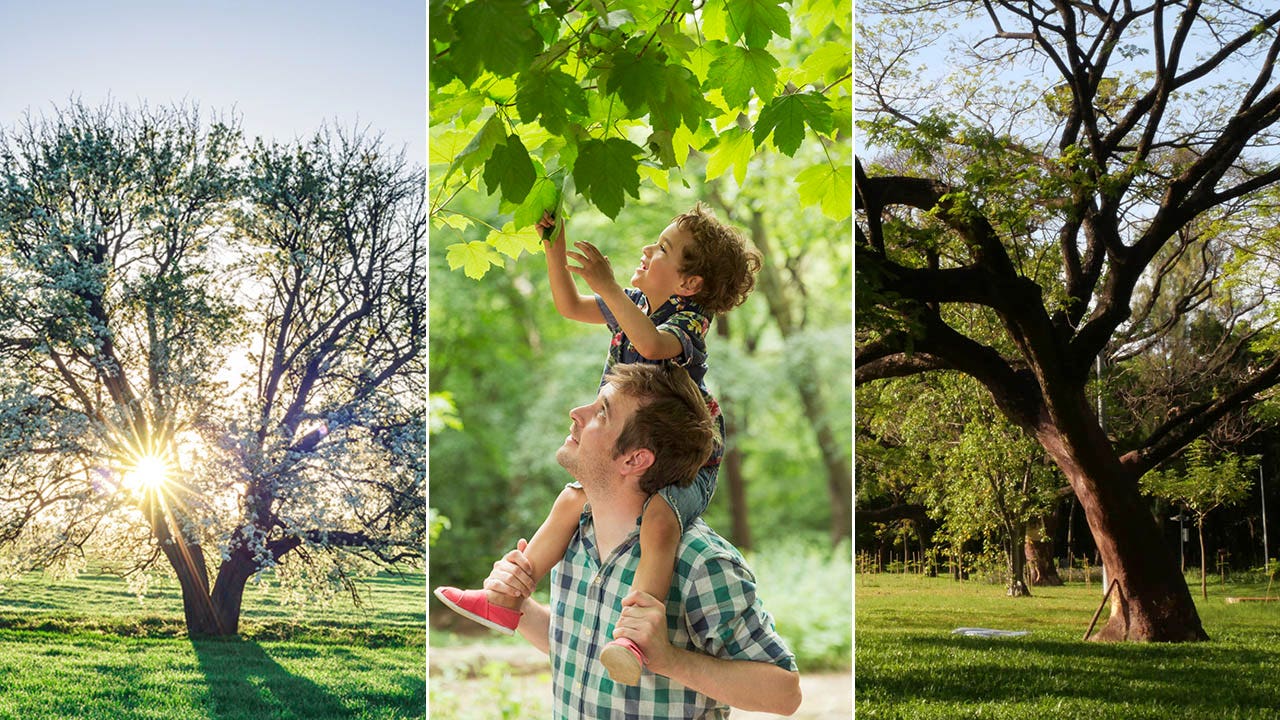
644	622
513	574
593	267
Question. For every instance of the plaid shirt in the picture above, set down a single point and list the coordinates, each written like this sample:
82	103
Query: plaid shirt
712	608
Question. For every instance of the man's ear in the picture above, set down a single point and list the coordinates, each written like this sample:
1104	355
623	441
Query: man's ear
691	285
636	462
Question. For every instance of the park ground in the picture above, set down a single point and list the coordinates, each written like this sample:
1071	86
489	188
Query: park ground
88	648
486	678
909	665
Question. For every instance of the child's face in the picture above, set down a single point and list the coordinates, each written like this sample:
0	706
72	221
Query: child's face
658	275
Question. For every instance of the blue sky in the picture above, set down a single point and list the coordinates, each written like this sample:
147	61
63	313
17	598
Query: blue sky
286	66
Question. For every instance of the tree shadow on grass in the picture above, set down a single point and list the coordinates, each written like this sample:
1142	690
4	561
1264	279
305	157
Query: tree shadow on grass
247	684
1193	677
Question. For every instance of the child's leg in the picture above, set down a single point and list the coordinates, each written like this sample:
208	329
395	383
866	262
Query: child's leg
659	540
549	543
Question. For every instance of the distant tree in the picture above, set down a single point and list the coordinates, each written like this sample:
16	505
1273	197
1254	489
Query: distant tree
1201	486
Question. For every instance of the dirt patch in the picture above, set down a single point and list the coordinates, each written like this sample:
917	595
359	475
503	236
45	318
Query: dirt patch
486	681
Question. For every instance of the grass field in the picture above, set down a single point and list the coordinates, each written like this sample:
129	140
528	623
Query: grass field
907	664
86	648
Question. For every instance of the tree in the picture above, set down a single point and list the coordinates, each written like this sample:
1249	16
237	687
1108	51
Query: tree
1044	205
1202	487
562	101
138	256
982	478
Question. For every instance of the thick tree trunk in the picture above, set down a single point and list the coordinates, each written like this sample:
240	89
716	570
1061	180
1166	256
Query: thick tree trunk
1151	601
1042	571
228	590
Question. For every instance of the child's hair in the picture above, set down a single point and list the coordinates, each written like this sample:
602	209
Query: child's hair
719	255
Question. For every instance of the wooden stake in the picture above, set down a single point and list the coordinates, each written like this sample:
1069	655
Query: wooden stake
1107	595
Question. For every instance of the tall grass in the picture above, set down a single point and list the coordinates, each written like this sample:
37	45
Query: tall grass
909	665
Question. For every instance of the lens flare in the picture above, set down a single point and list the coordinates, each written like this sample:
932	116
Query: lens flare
147	473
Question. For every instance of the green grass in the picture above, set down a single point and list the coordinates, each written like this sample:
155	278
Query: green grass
908	664
86	648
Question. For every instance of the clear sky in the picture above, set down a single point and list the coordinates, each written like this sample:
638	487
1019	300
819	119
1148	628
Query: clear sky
286	66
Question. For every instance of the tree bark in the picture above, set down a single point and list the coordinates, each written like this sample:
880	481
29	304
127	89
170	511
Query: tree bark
1042	571
1152	602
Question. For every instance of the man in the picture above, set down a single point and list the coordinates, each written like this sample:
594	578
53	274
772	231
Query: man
709	644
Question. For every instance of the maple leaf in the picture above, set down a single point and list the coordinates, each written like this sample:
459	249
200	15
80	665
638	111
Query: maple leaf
473	257
510	169
604	170
785	116
737	70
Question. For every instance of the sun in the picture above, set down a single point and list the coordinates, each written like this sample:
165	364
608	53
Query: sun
147	473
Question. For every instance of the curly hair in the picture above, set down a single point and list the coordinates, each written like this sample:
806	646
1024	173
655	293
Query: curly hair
719	254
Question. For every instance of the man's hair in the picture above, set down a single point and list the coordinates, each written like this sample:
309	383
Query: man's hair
717	253
671	420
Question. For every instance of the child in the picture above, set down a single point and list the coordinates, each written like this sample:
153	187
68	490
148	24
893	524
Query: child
696	268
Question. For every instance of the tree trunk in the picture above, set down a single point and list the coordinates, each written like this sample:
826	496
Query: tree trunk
1152	601
834	458
1204	560
1017	563
228	590
731	464
1042	571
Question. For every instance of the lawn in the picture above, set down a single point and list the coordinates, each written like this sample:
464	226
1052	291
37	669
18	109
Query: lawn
87	648
907	664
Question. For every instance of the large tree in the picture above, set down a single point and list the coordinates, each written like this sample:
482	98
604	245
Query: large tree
202	355
1075	150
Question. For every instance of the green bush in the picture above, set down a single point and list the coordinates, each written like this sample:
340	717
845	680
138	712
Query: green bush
808	589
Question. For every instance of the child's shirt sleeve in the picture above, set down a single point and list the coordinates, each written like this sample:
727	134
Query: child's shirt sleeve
690	327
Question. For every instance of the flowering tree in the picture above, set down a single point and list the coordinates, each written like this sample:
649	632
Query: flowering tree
143	252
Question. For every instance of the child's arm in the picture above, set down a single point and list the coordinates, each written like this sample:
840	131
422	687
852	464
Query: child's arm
647	339
569	302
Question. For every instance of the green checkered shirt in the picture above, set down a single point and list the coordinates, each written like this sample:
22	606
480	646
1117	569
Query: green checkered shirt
712	608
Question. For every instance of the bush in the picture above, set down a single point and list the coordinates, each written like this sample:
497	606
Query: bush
808	589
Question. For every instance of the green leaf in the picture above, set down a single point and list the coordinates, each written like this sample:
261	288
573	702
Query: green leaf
738	70
510	168
481	146
682	103
637	79
714	22
550	95
734	150
543	197
757	21
605	169
511	242
825	64
473	257
494	34
446	145
453	220
830	187
786	116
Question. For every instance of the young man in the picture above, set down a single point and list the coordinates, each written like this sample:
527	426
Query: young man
716	647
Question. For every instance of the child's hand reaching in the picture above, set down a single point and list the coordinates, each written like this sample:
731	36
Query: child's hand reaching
593	267
545	226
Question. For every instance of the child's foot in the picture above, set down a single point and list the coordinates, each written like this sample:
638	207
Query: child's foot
624	660
474	605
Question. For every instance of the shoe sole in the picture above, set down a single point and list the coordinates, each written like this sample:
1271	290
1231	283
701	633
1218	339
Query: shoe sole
472	616
622	664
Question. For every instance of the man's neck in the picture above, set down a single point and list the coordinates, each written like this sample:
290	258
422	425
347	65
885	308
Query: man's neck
615	517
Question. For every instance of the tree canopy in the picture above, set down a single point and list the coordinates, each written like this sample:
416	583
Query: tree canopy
537	100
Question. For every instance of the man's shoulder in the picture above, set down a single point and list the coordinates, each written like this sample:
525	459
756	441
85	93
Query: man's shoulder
702	548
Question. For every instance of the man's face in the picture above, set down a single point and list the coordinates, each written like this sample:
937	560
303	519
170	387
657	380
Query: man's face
588	451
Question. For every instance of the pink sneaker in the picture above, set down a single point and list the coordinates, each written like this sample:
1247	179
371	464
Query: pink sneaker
475	605
624	660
